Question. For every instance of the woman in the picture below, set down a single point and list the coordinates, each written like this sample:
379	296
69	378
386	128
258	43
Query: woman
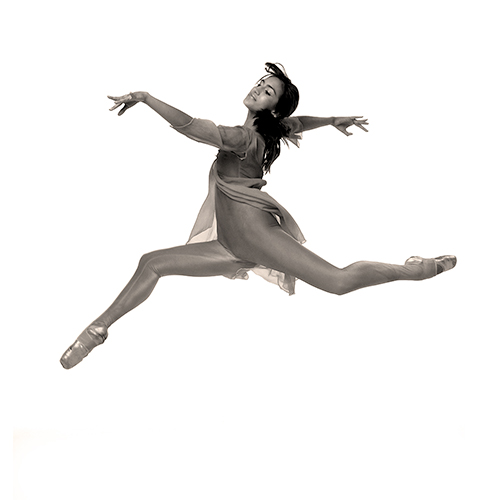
239	227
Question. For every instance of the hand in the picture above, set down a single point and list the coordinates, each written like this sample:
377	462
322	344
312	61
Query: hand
128	101
343	122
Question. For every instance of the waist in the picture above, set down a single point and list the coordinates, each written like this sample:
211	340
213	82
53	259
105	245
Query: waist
229	166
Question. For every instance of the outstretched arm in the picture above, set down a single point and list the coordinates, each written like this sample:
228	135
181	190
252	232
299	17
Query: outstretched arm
340	123
174	116
204	131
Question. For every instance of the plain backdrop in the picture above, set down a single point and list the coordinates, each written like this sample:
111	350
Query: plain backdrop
220	389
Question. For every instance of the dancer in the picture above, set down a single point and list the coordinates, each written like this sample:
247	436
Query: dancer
239	227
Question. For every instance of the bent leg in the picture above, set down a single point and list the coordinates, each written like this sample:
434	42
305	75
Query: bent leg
277	250
198	259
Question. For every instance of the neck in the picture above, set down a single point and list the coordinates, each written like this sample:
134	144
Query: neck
249	122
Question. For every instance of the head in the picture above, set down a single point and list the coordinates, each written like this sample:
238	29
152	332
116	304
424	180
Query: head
273	98
274	93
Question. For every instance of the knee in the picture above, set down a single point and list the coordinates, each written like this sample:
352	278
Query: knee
339	289
340	284
335	282
147	261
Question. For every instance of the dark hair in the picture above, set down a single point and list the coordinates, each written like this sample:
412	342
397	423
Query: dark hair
272	127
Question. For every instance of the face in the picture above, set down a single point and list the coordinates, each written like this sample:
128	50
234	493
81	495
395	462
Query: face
265	95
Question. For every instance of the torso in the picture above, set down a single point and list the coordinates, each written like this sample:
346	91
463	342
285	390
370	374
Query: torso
246	164
239	223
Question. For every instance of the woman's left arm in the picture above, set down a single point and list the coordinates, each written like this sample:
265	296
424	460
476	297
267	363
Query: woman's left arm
340	122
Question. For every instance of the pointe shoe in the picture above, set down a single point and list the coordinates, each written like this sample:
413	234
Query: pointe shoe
435	266
428	267
91	337
445	263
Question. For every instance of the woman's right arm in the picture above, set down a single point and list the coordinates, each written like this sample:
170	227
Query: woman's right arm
205	131
174	116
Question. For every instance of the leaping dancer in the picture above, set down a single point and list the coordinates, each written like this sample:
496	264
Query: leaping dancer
239	227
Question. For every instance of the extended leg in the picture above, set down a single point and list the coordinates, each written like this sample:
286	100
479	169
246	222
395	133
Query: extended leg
200	259
277	250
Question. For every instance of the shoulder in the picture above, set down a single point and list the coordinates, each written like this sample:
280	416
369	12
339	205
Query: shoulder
239	138
295	129
293	123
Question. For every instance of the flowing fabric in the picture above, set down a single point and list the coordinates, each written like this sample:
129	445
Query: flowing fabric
241	189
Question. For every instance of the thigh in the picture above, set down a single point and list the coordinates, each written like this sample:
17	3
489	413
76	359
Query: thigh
197	259
275	249
239	225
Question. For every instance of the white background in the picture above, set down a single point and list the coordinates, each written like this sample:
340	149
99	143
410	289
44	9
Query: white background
231	389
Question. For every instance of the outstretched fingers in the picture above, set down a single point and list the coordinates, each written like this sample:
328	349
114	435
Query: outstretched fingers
117	105
124	99
360	123
342	123
361	126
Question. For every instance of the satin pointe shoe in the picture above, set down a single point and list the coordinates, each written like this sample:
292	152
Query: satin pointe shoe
445	263
435	266
91	337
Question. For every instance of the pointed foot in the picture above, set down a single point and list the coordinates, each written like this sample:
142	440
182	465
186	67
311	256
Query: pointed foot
91	337
434	266
445	263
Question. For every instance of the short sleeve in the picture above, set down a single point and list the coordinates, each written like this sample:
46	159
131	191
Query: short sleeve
296	129
235	139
